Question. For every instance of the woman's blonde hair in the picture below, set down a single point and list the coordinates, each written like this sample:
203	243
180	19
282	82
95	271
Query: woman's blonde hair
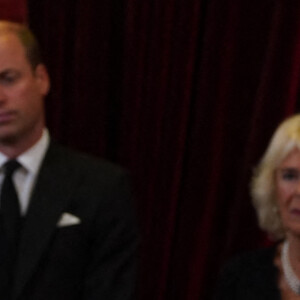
284	140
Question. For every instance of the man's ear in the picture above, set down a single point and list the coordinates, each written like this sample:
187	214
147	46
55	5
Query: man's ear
42	79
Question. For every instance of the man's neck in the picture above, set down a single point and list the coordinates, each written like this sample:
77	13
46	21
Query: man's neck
13	149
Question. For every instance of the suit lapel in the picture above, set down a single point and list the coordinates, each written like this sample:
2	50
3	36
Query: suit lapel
48	202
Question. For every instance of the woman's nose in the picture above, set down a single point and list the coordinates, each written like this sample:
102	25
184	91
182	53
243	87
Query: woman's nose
297	187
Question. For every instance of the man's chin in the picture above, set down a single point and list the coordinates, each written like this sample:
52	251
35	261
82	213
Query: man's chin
8	138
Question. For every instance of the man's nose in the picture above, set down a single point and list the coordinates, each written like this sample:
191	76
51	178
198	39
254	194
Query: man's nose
2	95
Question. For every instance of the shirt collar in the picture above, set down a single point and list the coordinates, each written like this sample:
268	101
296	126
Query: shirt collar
32	158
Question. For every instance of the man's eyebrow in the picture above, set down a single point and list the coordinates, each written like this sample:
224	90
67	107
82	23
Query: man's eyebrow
8	71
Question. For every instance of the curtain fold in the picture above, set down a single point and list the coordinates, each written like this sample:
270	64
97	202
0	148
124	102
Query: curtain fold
186	95
13	10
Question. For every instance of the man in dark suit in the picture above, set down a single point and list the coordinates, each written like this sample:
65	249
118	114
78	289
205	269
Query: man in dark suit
74	234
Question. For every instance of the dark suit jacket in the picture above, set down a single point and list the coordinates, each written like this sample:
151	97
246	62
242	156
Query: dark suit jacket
92	260
250	276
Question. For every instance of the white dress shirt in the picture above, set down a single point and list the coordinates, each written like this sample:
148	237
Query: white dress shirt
24	177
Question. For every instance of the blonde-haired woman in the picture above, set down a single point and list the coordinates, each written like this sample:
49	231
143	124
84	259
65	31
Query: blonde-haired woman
272	273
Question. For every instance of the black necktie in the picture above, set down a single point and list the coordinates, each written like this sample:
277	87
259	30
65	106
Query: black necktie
10	208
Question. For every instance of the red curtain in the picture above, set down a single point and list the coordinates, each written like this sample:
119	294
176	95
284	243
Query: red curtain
185	94
13	10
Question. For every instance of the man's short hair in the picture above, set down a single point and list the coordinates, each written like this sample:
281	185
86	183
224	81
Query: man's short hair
27	39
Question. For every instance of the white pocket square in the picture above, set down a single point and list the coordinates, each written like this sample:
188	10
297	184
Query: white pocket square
67	219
